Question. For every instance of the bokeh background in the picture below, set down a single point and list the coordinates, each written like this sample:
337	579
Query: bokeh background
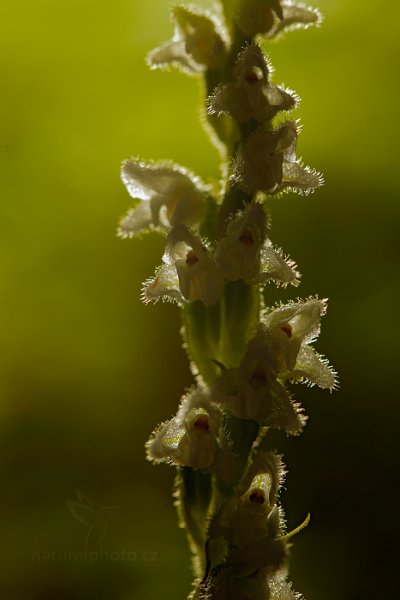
87	371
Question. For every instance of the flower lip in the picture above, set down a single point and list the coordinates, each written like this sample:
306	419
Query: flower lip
201	423
287	329
191	258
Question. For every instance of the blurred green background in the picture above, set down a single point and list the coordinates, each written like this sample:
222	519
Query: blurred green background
87	371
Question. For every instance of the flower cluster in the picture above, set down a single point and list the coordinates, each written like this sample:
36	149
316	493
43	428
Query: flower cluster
217	261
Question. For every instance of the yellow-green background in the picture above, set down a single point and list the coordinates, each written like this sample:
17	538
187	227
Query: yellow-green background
87	371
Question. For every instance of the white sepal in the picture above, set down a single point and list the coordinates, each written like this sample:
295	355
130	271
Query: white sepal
295	16
314	368
274	265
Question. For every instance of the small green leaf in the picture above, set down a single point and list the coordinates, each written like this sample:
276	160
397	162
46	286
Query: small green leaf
296	530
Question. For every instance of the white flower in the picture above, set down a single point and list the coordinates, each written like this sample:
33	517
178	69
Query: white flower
199	42
189	272
252	391
288	332
246	253
168	194
194	437
286	328
250	96
268	163
279	352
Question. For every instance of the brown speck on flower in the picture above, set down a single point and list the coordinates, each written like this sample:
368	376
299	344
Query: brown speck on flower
191	258
254	76
257	497
287	329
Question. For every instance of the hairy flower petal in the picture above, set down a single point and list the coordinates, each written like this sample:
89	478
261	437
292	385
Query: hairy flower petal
314	368
275	266
295	16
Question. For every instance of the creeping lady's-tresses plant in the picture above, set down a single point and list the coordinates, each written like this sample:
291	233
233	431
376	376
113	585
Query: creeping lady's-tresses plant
245	356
